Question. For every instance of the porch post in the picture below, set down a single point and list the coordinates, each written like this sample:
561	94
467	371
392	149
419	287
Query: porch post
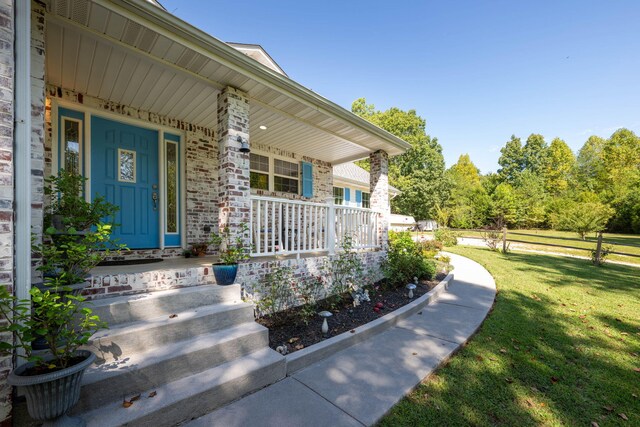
233	165
331	226
379	190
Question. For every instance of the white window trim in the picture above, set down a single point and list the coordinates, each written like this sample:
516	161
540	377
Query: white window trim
334	195
272	171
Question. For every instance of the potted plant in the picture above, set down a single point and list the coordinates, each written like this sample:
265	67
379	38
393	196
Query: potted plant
51	380
67	206
77	237
231	252
199	249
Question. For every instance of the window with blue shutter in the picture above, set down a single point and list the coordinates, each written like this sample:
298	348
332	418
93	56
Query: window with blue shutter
359	198
347	196
307	179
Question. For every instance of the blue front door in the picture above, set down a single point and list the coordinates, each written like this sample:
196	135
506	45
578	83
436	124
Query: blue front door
124	169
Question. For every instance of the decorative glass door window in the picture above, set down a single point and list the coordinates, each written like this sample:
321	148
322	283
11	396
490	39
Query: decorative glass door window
71	140
126	165
171	157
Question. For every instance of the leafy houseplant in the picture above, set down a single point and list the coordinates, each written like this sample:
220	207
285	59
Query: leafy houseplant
231	252
75	238
51	381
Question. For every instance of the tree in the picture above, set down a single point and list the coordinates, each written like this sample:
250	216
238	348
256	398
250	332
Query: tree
504	204
559	168
511	160
418	173
583	218
530	200
469	204
534	154
590	168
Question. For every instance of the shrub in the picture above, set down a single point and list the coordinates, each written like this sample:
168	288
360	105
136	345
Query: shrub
406	261
446	236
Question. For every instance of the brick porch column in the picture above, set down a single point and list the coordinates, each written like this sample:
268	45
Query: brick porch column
233	166
379	189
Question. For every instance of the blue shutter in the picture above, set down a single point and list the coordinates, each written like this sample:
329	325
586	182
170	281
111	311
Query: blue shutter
359	198
347	196
307	179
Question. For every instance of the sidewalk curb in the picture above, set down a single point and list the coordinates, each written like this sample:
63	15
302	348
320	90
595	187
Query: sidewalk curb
310	355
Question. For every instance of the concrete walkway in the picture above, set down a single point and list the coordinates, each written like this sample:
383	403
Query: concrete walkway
357	386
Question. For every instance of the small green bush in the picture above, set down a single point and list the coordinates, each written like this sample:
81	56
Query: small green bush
406	261
446	236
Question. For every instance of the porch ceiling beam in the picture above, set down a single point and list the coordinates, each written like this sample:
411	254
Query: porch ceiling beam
101	37
351	159
174	28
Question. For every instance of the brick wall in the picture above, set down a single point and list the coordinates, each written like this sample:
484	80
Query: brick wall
6	179
379	184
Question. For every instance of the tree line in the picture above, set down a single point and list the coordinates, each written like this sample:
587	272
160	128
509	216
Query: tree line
539	184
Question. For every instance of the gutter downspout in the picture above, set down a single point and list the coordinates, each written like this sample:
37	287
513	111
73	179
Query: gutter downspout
22	153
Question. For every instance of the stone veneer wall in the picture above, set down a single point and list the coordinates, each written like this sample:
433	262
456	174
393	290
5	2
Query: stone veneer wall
201	158
322	175
7	71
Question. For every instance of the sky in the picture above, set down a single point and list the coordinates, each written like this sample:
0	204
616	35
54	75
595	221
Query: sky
476	71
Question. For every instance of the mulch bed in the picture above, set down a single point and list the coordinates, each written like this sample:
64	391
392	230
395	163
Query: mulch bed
296	335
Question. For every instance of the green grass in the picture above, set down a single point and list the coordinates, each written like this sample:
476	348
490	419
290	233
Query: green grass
559	348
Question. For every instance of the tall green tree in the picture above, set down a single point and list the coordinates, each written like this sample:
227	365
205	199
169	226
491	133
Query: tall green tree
418	173
558	172
469	205
590	168
511	160
535	154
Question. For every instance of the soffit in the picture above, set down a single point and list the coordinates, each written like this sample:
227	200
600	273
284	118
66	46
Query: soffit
97	51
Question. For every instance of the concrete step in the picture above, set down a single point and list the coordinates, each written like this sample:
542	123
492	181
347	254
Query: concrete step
127	339
138	307
195	395
147	370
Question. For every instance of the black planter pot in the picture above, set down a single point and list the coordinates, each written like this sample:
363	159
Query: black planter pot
225	274
50	396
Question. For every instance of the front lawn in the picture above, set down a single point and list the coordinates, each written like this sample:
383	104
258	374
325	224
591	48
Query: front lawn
561	347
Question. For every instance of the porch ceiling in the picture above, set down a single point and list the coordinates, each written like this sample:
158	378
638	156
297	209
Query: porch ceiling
113	50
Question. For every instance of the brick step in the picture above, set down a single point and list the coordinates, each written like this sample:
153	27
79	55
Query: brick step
126	339
195	395
131	308
143	371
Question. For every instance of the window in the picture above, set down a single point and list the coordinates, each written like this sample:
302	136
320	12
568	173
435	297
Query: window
285	177
172	186
126	165
366	200
71	140
338	195
259	176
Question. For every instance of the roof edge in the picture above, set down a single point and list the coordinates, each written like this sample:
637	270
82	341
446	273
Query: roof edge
245	65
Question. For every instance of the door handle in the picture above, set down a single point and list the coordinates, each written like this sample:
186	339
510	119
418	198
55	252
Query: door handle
154	197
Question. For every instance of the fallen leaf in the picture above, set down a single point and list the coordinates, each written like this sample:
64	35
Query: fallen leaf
619	320
126	404
623	416
503	350
594	424
608	408
353	331
479	358
134	398
636	369
415	354
634	395
529	402
153	394
516	347
624	333
299	347
543	404
493	359
173	316
634	354
509	380
294	339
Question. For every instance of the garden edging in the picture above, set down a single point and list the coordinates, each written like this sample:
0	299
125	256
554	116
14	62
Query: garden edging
312	354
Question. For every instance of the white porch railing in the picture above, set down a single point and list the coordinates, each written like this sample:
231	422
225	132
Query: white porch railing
290	226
